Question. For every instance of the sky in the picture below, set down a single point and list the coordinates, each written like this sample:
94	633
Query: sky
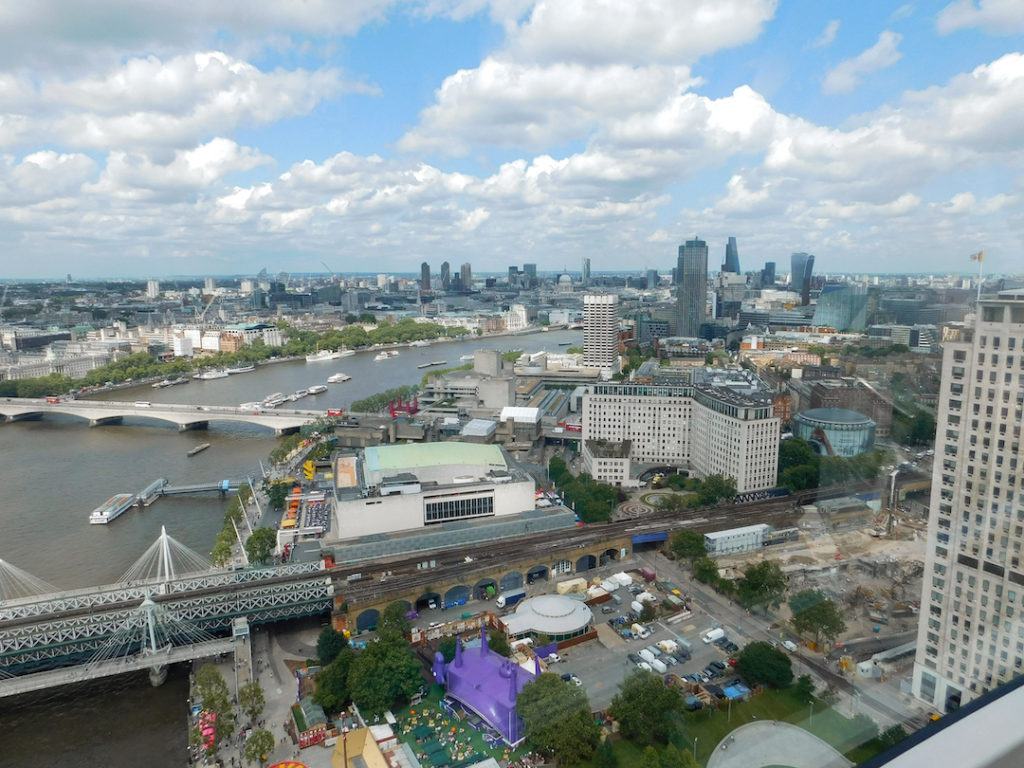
157	138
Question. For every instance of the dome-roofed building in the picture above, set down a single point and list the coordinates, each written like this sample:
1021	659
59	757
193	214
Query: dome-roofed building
558	617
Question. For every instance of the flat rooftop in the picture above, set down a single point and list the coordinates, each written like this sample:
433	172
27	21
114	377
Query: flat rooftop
392	459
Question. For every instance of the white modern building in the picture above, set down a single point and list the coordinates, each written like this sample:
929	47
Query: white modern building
404	487
516	319
971	633
152	289
748	538
601	332
607	462
707	428
181	345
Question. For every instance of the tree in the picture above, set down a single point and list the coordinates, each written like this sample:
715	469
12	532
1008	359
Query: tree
645	708
795	452
221	553
604	756
759	662
557	469
890	737
384	675
763	584
557	719
251	699
210	684
277	493
803	690
258	746
329	644
498	642
447	647
649	758
687	545
705	570
674	757
393	619
260	544
332	689
648	613
715	488
816	614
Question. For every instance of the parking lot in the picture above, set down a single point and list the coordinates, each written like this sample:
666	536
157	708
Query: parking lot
602	664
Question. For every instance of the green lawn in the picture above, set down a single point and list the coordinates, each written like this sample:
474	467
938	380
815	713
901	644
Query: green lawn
854	738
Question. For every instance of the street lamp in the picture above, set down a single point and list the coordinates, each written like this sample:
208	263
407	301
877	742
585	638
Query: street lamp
811	719
694	747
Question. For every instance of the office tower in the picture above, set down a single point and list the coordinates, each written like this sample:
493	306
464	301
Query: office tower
652	279
801	267
382	281
530	270
600	331
970	637
246	286
585	272
446	275
732	257
466	276
152	289
768	274
692	288
424	276
209	285
513	275
843	307
67	280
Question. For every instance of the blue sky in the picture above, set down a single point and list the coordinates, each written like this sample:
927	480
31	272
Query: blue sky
375	134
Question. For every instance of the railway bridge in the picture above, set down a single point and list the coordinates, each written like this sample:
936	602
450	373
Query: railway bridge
184	417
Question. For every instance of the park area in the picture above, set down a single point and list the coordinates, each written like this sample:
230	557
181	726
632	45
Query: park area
855	738
446	738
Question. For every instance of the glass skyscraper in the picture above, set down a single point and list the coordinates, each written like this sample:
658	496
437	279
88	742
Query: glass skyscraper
692	287
843	307
732	257
802	265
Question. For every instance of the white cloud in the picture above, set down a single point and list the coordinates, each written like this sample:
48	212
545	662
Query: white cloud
152	102
998	17
847	75
827	36
573	65
137	176
42	176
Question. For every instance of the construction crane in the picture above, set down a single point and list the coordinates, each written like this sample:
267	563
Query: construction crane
333	273
200	314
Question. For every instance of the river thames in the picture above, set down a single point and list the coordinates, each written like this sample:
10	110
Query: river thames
55	471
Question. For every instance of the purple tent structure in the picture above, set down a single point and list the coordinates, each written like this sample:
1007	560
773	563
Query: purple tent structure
486	683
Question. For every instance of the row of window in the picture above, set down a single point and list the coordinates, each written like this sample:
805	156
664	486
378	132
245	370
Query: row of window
458	509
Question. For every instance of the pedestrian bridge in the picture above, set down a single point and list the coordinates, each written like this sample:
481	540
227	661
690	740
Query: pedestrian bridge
99	412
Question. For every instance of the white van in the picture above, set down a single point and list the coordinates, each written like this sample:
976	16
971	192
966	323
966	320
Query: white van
714	634
789	645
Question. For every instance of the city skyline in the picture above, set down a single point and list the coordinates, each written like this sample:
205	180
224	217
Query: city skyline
158	142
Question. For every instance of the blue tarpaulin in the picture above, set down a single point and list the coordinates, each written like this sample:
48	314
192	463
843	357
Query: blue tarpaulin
647	538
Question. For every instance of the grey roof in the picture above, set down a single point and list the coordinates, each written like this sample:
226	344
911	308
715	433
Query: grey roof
479	428
837	415
549	615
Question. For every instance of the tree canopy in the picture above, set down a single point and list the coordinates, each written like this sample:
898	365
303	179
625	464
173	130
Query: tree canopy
392	619
329	644
557	719
645	708
251	699
332	688
594	502
816	614
761	663
687	544
384	675
260	544
258	746
762	585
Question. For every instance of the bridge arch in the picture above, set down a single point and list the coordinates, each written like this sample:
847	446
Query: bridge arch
485	589
510	580
368	620
423	601
561	566
537	573
457	595
586	563
608	556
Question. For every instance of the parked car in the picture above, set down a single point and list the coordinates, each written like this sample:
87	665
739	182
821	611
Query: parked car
553	658
720	666
655	650
644	666
575	681
608	609
732	662
731	647
670	659
634	657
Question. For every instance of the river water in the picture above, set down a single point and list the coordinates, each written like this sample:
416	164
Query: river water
55	471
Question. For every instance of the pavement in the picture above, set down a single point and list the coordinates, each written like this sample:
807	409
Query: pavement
774	743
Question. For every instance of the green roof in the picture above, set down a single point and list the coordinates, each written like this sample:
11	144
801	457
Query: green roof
388	458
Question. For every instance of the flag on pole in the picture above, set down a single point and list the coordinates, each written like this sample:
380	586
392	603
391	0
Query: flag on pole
979	256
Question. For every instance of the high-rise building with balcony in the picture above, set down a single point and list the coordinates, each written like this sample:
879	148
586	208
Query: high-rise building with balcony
601	331
152	289
971	632
692	287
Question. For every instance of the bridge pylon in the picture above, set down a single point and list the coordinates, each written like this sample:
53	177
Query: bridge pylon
165	560
16	583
